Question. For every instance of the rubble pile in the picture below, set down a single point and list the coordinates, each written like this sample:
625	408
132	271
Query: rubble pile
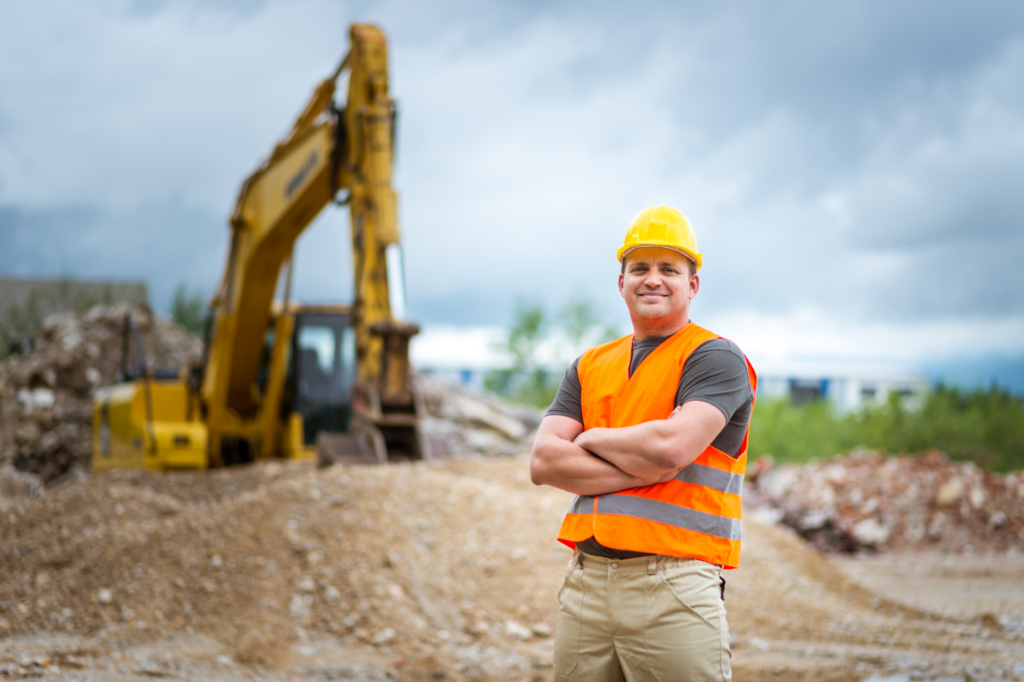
46	393
461	422
869	501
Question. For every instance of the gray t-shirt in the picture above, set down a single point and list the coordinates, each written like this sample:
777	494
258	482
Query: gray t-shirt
715	373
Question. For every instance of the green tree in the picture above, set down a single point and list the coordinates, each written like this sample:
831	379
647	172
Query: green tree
526	380
188	309
531	378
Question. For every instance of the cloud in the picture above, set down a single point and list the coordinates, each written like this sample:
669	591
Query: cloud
854	162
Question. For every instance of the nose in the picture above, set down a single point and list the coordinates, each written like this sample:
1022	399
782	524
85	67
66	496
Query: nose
653	279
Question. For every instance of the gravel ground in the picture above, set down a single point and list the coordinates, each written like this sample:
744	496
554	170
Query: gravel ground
443	570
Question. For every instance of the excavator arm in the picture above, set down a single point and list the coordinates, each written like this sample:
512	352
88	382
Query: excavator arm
332	154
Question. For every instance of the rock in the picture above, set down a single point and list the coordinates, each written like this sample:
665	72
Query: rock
775	483
517	631
36	398
14	483
815	520
541	629
105	596
977	498
759	644
384	636
870	532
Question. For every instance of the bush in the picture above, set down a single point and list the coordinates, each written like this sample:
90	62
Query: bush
986	427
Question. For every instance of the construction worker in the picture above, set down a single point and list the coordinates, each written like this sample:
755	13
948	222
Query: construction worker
650	432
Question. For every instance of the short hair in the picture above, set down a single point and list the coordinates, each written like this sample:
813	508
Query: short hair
693	266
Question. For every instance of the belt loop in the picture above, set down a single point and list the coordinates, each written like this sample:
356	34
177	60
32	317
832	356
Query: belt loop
652	565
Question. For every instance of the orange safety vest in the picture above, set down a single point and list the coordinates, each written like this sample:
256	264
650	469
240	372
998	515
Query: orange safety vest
698	513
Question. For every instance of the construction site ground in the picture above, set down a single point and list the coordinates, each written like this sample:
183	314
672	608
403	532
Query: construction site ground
430	571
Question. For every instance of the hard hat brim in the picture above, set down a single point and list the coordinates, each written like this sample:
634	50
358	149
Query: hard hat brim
696	258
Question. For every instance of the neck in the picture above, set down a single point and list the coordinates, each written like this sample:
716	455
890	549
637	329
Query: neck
650	329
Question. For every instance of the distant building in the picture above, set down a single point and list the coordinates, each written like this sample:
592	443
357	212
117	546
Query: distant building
848	386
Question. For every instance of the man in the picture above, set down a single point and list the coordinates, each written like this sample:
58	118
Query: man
650	432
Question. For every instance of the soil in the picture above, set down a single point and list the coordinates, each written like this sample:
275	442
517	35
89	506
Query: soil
426	571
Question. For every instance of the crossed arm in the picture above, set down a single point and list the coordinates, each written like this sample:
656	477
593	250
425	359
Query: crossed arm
605	460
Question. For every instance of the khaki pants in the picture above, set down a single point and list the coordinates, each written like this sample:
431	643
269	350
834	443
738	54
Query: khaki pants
651	618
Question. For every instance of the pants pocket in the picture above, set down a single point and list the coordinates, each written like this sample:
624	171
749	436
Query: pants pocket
698	590
568	624
685	630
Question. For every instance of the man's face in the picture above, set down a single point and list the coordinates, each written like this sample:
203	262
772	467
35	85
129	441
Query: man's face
657	285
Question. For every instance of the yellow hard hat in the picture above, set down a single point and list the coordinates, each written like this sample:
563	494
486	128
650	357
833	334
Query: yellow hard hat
661	226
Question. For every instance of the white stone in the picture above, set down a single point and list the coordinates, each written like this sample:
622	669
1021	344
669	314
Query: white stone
870	532
37	397
759	644
384	636
977	497
949	492
517	631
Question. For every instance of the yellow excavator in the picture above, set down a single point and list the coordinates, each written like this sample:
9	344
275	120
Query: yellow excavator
280	379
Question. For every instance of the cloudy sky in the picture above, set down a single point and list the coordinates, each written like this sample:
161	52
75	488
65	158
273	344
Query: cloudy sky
854	170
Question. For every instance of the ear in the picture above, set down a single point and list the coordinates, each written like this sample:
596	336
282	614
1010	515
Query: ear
621	292
694	285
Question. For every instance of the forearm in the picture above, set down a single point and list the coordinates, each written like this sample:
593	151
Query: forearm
644	450
566	466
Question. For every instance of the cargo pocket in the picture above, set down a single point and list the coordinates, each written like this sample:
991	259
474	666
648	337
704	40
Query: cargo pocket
568	628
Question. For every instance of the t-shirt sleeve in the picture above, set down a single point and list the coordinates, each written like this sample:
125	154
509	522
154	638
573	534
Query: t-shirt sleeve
568	401
716	373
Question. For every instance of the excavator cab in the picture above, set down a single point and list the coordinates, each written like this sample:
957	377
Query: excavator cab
322	372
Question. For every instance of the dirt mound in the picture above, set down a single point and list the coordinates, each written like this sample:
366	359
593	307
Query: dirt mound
867	500
451	565
429	570
46	393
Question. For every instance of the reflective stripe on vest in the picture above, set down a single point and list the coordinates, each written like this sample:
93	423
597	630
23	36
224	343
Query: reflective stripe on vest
698	514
